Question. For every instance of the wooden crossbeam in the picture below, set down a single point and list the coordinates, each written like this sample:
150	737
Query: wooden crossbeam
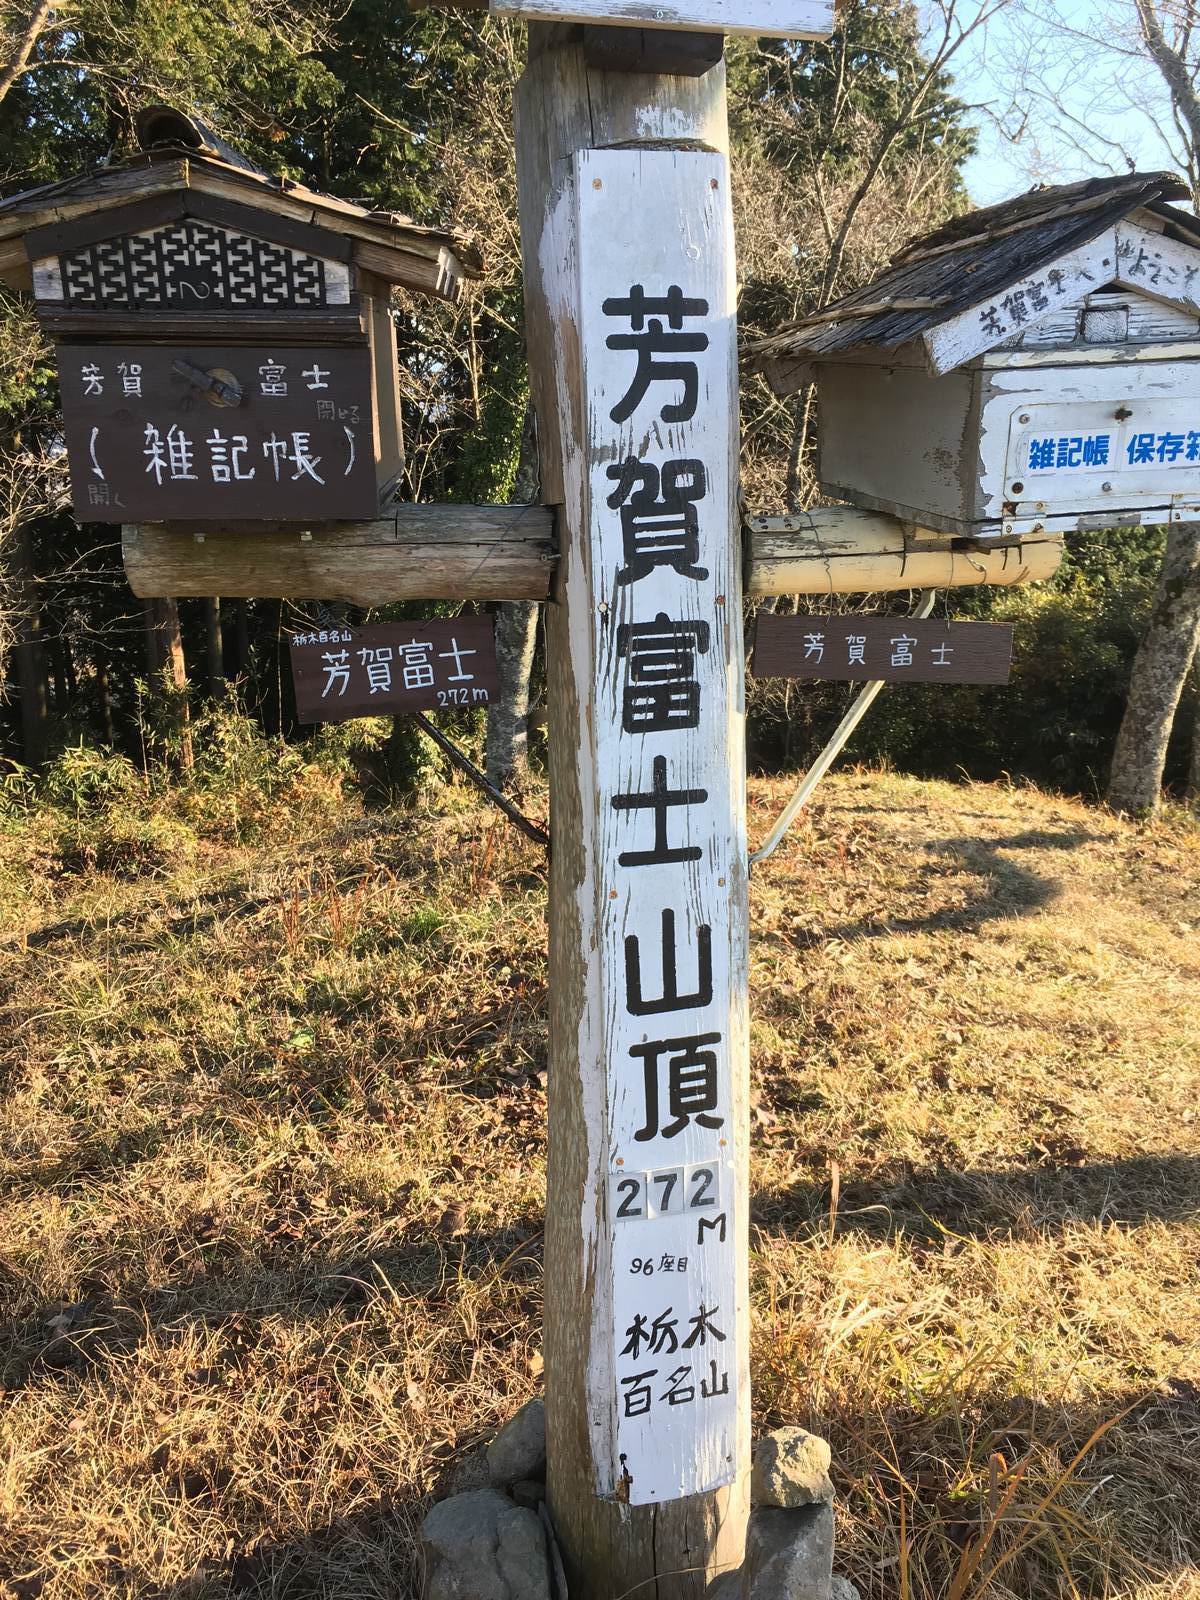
442	552
449	552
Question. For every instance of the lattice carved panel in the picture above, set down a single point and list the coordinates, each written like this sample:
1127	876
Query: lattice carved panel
195	266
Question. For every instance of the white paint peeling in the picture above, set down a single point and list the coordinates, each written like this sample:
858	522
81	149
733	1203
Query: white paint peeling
1023	305
1158	267
676	1397
47	279
1149	414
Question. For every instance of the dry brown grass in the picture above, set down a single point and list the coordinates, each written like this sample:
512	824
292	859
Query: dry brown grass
271	1131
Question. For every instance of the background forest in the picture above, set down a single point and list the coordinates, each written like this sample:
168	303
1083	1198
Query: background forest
843	149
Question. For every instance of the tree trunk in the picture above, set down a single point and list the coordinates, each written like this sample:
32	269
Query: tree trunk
12	69
508	717
168	671
516	641
58	668
31	656
239	645
215	648
1194	769
105	705
1159	674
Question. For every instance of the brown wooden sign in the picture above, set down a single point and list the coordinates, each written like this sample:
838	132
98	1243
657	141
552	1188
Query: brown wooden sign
882	649
159	433
393	667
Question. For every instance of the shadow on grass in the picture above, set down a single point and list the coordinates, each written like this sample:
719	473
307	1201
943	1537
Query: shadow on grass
239	1293
940	1205
1128	1461
1009	889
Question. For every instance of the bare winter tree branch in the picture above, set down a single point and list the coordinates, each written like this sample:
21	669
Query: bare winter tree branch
22	48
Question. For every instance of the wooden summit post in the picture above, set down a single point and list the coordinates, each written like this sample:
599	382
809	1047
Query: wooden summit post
629	272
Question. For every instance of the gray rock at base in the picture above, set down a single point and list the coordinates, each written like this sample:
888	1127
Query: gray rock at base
519	1449
789	1554
843	1589
791	1468
727	1587
528	1492
469	1472
480	1546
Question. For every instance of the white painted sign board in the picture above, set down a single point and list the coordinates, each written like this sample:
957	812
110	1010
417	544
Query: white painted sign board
777	19
668	1375
1023	305
1130	450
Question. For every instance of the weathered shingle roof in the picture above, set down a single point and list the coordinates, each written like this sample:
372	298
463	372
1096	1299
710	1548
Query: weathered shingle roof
972	258
430	260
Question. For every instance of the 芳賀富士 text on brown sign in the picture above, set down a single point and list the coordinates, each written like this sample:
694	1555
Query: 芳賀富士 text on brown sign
393	667
882	649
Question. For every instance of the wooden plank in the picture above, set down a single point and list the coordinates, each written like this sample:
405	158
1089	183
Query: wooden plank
256	220
1023	304
597	220
330	325
687	55
393	667
856	649
105	188
156	432
776	19
505	553
1158	267
385	371
839	550
419	553
665	1443
441	275
139	216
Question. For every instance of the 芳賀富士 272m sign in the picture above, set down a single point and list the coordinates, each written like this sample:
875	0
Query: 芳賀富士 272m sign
393	667
657	326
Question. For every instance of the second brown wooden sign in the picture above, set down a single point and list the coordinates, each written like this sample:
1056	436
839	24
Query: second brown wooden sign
882	649
393	667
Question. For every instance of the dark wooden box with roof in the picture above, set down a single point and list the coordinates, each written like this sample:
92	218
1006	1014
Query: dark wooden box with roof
224	338
1030	368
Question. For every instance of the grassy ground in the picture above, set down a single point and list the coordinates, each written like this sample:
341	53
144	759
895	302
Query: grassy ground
271	1135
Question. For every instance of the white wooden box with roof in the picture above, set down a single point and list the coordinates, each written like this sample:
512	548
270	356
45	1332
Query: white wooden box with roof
1029	368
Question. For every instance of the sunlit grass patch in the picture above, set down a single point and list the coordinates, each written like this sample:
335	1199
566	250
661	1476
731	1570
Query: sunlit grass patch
272	1137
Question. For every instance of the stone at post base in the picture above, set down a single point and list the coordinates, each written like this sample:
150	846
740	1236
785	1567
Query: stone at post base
789	1549
519	1449
480	1546
791	1468
789	1554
